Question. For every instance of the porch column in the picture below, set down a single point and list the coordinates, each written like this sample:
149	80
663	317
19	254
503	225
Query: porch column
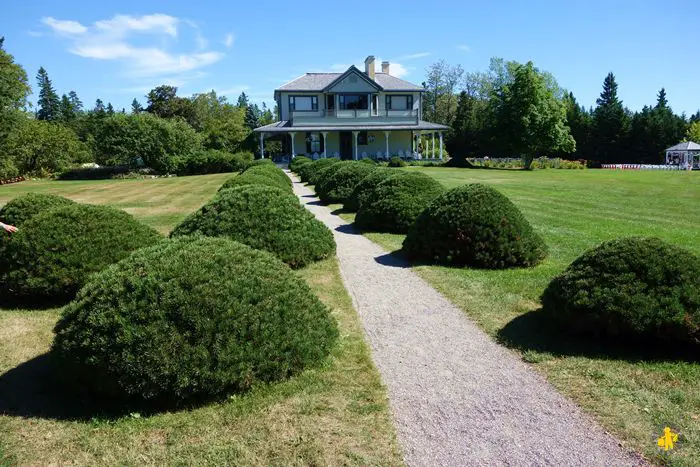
262	146
433	151
325	144
292	134
354	137
386	137
440	134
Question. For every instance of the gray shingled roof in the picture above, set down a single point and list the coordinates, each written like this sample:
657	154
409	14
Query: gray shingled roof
285	127
318	81
685	146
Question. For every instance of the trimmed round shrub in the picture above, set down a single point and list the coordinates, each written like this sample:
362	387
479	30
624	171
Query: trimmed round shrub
338	185
308	172
640	288
269	170
255	179
191	319
369	161
324	175
257	162
396	162
474	225
298	162
265	218
363	188
24	207
54	252
394	204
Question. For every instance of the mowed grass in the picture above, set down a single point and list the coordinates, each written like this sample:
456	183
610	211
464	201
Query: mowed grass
632	393
336	414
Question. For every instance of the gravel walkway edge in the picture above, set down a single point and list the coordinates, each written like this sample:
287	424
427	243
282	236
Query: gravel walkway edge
456	396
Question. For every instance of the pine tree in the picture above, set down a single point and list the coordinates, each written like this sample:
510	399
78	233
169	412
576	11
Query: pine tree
610	124
110	109
66	109
661	102
136	107
242	101
99	108
75	102
252	116
580	122
48	103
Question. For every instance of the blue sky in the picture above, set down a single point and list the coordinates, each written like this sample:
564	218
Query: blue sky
120	50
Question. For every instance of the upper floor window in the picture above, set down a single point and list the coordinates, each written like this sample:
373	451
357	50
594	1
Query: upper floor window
399	102
353	101
303	103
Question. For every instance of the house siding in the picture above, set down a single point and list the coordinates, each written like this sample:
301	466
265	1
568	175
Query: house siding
398	141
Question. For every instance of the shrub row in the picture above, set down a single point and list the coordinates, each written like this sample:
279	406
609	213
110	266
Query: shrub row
297	162
260	173
338	181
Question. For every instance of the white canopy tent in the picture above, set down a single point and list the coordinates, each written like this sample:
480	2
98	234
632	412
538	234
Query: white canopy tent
683	154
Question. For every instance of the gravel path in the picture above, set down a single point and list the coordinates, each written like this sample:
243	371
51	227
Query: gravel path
457	397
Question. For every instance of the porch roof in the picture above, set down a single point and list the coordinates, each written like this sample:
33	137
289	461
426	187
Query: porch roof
285	126
685	146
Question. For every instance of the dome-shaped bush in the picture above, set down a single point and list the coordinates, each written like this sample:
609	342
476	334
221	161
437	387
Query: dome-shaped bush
365	186
297	162
394	204
323	176
632	287
255	179
269	170
190	319
257	162
54	252
24	207
336	186
265	218
474	225
308	172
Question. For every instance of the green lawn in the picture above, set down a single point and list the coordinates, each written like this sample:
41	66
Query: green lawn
334	415
631	396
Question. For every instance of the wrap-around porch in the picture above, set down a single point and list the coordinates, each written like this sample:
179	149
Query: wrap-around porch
355	143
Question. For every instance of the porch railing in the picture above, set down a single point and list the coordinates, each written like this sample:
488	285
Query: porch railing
379	115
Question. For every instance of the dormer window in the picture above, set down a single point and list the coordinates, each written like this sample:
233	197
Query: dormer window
303	103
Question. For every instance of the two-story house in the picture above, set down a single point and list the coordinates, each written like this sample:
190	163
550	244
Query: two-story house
352	115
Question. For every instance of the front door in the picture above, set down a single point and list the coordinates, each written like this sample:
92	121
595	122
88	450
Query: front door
346	145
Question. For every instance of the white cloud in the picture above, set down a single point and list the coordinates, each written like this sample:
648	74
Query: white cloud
412	56
111	40
398	70
228	40
464	47
156	24
64	27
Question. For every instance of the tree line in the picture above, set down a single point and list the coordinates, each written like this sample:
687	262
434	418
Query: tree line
60	132
517	110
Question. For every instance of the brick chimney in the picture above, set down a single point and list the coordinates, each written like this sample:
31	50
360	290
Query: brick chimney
385	67
369	66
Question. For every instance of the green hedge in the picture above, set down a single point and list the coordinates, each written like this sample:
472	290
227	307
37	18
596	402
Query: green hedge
297	162
191	319
255	179
337	185
639	288
394	204
210	161
324	175
265	218
474	225
365	186
269	170
24	207
308	172
54	252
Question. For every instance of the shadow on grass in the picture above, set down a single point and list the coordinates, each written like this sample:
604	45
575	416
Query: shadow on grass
34	389
9	302
535	331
